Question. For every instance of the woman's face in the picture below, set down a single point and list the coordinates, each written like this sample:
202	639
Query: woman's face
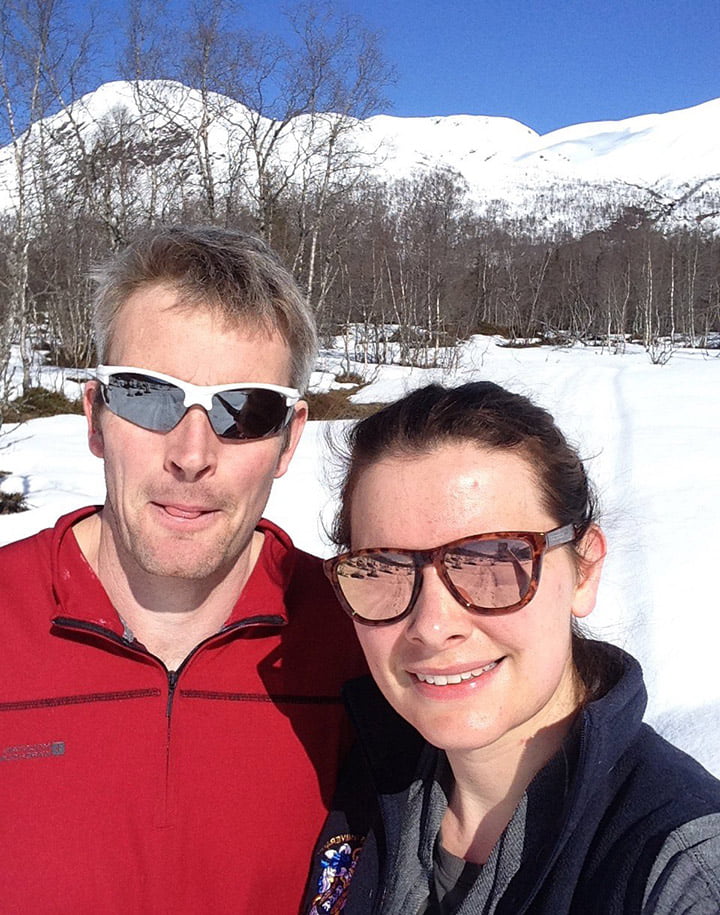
522	675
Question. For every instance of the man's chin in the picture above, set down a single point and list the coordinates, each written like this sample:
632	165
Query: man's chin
185	560
184	573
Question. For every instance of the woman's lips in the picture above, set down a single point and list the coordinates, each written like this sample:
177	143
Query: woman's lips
456	677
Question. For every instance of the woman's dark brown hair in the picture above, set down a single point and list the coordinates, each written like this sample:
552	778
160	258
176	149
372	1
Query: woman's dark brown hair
480	413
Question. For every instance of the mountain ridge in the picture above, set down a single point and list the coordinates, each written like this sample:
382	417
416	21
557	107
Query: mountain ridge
572	179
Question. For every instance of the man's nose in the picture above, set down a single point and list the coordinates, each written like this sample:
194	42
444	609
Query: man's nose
191	447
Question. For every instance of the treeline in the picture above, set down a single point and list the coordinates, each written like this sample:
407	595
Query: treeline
80	178
416	257
411	266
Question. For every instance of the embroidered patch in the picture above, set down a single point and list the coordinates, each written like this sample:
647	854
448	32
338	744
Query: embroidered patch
339	859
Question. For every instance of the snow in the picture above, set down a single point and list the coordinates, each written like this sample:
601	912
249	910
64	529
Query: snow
500	158
460	141
650	436
629	161
669	148
652	149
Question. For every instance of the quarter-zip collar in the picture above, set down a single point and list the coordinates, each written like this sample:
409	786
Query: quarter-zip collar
80	596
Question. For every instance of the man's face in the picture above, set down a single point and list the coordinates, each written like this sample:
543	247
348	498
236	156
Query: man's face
184	503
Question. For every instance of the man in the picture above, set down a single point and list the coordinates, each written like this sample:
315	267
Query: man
170	722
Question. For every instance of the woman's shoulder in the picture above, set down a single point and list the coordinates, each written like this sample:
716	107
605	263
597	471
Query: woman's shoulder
686	873
667	784
623	744
649	811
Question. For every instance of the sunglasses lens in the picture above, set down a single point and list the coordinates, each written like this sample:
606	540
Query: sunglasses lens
241	413
248	414
145	401
378	585
491	574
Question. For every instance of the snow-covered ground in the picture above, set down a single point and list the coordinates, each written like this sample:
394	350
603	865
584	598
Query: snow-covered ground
651	439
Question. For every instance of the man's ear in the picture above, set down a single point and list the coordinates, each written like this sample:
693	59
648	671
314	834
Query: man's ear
92	409
592	549
293	433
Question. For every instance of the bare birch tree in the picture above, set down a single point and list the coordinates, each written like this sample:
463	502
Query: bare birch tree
40	51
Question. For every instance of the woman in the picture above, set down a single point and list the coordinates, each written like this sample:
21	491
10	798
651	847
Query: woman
502	766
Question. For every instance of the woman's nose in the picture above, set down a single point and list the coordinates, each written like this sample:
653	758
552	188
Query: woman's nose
437	618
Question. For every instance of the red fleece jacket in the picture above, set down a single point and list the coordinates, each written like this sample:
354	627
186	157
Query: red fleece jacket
126	789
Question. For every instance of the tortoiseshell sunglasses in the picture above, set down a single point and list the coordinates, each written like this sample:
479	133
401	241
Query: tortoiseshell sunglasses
485	573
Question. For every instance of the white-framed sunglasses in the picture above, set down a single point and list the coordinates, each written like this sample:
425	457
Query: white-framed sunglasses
237	412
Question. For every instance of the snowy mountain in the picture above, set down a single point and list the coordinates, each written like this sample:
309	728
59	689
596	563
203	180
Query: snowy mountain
658	150
668	163
575	178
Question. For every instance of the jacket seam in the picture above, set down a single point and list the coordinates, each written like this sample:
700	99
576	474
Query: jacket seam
286	698
53	701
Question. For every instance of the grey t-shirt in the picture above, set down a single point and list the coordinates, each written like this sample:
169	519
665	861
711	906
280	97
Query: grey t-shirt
452	880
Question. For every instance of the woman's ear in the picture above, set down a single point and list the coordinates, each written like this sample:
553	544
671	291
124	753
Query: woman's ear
592	549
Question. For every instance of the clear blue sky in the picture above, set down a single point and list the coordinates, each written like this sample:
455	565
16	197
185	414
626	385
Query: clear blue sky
547	63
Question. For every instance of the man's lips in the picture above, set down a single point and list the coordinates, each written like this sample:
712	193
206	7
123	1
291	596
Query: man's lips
453	678
185	512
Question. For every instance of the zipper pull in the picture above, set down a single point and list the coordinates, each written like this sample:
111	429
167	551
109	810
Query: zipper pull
172	683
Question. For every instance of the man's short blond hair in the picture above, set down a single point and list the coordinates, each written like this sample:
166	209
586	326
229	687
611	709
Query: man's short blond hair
230	272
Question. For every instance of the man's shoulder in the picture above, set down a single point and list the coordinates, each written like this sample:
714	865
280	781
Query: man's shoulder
316	622
31	560
26	586
296	566
16	555
306	565
308	584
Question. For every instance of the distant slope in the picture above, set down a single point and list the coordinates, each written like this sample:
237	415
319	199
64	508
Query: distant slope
573	179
